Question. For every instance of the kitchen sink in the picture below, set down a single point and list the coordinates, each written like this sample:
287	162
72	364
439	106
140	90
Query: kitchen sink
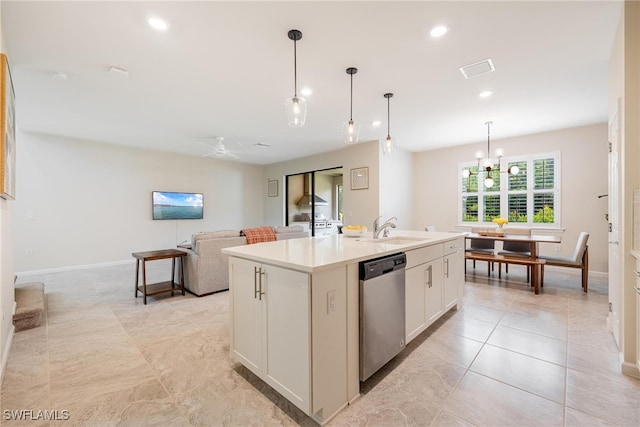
395	240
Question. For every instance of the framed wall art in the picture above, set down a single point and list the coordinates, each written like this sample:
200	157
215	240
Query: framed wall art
7	132
272	188
360	178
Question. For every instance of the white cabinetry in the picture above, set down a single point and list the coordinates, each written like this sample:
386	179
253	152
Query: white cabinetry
453	286
271	326
434	281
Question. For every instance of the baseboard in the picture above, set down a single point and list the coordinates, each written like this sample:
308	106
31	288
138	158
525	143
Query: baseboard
76	267
630	369
6	351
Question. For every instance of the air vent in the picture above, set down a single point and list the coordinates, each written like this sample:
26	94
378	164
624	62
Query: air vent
473	70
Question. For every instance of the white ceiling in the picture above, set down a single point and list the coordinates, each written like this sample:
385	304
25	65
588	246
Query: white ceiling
226	68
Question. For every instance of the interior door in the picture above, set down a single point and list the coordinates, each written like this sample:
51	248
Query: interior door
615	285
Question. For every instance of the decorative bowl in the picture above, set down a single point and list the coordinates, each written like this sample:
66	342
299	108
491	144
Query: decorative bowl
354	232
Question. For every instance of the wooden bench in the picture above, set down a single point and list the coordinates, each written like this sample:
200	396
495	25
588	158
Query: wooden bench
535	264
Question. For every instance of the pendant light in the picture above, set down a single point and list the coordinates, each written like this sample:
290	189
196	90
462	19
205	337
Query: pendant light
388	145
351	129
296	107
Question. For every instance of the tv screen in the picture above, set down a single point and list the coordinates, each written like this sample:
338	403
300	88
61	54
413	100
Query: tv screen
174	205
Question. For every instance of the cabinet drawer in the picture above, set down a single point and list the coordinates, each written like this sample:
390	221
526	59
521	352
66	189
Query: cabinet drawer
422	255
452	246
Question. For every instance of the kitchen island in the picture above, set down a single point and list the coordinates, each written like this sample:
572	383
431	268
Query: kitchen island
295	308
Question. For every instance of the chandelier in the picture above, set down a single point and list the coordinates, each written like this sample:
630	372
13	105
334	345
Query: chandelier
487	164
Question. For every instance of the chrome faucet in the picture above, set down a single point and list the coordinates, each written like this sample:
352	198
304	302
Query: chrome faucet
377	229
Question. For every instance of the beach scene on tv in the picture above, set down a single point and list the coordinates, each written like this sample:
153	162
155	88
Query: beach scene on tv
171	205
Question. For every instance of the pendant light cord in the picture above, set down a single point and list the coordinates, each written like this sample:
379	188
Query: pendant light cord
351	102
388	117
488	139
295	71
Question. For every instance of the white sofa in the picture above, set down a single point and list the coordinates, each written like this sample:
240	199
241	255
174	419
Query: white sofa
207	268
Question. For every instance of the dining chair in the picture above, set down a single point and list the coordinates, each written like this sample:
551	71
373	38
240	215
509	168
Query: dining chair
518	249
483	246
579	259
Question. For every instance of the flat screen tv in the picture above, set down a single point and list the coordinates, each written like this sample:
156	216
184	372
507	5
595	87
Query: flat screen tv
174	205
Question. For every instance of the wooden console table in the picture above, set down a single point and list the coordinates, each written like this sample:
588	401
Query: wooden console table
160	287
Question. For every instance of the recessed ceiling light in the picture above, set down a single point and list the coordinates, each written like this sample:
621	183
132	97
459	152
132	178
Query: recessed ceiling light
58	75
485	94
158	23
306	91
438	31
118	72
376	123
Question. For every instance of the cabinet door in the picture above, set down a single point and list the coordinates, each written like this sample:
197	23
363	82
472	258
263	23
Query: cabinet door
453	278
247	312
288	334
415	299
433	278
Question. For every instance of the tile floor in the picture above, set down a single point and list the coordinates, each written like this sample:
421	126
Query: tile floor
507	358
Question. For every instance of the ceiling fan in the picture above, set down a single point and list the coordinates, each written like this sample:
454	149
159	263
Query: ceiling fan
219	150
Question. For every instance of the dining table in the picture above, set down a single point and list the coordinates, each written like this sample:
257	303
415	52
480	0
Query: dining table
533	240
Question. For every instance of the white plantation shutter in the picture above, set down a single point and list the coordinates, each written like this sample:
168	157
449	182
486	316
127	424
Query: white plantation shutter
529	197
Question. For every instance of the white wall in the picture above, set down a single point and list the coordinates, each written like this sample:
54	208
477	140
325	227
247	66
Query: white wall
6	262
83	202
396	188
583	177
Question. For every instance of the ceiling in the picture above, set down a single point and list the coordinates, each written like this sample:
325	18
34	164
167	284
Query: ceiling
226	68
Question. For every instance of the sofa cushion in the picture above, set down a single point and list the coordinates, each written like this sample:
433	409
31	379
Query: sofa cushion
289	229
213	235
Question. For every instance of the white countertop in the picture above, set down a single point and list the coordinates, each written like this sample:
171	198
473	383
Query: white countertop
321	252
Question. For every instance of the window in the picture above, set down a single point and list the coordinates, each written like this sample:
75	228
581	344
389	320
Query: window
529	197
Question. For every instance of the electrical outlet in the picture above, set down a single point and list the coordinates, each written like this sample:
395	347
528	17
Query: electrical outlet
331	301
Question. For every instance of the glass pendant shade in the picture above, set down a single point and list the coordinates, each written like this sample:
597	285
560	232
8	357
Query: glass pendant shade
488	182
388	145
296	109
466	173
351	131
513	170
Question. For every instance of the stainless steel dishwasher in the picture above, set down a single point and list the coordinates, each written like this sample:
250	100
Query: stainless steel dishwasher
382	312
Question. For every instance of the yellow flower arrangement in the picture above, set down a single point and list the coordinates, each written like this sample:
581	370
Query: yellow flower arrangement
500	221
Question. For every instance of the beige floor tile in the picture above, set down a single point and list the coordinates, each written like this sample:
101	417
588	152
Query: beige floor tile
603	398
595	359
542	323
487	402
524	372
473	310
445	419
454	348
575	418
111	360
478	330
539	346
